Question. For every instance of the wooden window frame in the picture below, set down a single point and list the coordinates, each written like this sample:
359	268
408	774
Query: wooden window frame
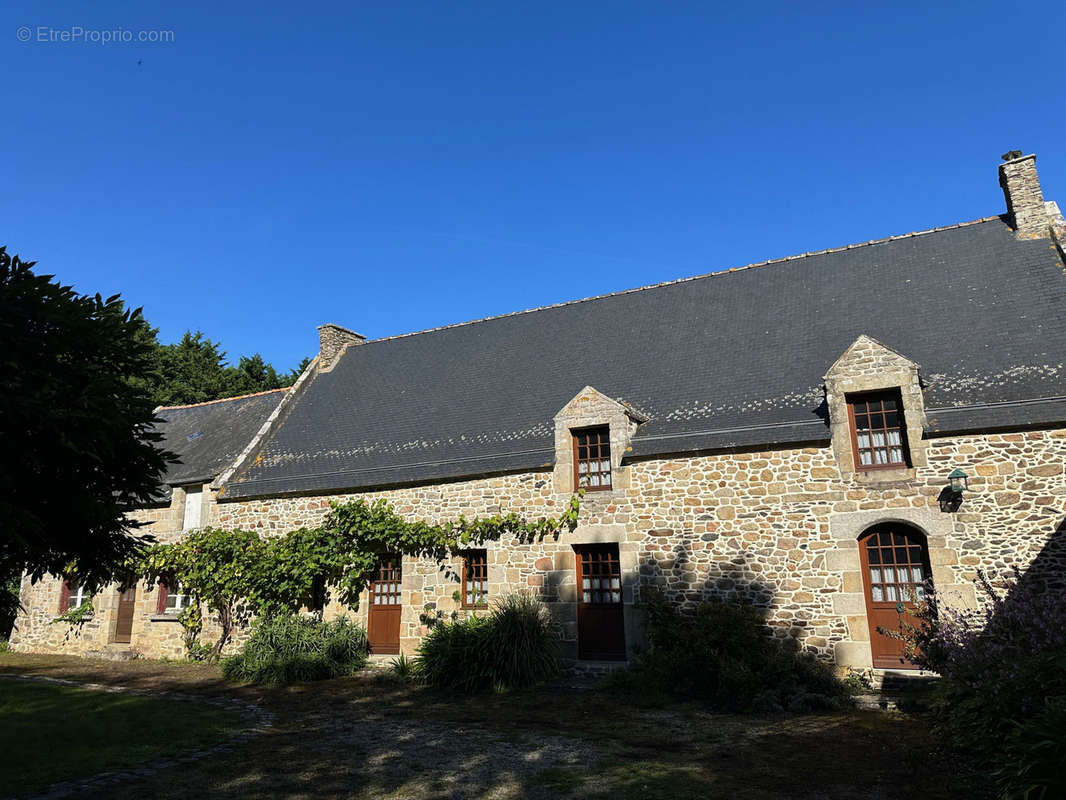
592	557
467	556
882	394
575	436
392	567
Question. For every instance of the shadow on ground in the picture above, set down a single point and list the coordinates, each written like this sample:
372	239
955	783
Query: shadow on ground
369	737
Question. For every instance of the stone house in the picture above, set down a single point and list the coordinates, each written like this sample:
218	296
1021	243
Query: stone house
207	437
784	432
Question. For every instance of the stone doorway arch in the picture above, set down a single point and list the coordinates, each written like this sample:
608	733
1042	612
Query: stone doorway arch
896	574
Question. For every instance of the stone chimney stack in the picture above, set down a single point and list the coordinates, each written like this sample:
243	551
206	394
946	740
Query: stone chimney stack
332	340
1025	201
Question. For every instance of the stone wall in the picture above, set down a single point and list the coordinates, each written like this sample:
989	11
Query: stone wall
153	634
779	527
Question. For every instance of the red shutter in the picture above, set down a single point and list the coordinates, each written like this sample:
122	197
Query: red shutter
64	597
161	601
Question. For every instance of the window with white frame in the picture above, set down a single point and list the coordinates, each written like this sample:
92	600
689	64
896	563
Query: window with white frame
74	596
176	599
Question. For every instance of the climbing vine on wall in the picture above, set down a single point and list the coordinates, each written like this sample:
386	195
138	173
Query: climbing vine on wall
234	571
362	533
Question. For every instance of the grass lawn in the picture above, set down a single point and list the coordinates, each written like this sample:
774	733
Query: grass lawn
369	737
52	733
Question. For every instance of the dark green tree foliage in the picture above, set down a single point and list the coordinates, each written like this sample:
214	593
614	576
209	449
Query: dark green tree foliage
290	379
252	374
9	603
194	370
77	446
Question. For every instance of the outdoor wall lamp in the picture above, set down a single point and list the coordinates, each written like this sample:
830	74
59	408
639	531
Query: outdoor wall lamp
951	497
957	480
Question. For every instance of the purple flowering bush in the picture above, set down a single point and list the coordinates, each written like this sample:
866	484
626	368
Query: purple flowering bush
1003	693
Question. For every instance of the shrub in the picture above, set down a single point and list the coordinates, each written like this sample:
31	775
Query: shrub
290	648
455	655
1035	753
725	655
515	647
402	668
1003	683
523	642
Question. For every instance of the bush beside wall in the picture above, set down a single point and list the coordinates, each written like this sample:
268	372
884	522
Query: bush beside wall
515	647
725	656
1002	693
292	648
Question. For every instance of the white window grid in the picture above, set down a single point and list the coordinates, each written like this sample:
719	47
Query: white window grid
178	600
79	595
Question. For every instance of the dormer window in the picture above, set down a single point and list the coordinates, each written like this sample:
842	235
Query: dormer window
878	431
592	458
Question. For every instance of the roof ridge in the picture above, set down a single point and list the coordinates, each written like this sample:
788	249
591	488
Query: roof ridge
716	273
223	399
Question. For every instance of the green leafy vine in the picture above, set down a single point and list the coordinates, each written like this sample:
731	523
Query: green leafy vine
76	617
234	571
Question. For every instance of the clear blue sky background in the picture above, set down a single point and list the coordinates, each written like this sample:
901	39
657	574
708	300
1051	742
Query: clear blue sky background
394	166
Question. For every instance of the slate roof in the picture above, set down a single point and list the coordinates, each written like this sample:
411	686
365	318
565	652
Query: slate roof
730	359
208	437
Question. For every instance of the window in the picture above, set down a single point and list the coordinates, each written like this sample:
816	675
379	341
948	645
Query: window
475	579
878	431
173	601
601	575
193	499
592	459
897	566
385	588
73	595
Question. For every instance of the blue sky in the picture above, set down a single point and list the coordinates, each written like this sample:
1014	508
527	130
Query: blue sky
396	166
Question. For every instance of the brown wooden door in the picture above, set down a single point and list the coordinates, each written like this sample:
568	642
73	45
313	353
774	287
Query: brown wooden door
601	633
383	616
124	623
895	565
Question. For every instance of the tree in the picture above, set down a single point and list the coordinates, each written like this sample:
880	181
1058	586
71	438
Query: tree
292	377
193	371
215	566
252	374
78	449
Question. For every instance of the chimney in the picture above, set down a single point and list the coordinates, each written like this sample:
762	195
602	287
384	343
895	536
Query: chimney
1025	201
332	340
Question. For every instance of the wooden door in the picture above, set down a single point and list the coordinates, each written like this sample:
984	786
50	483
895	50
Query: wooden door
895	565
124	623
383	616
601	634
